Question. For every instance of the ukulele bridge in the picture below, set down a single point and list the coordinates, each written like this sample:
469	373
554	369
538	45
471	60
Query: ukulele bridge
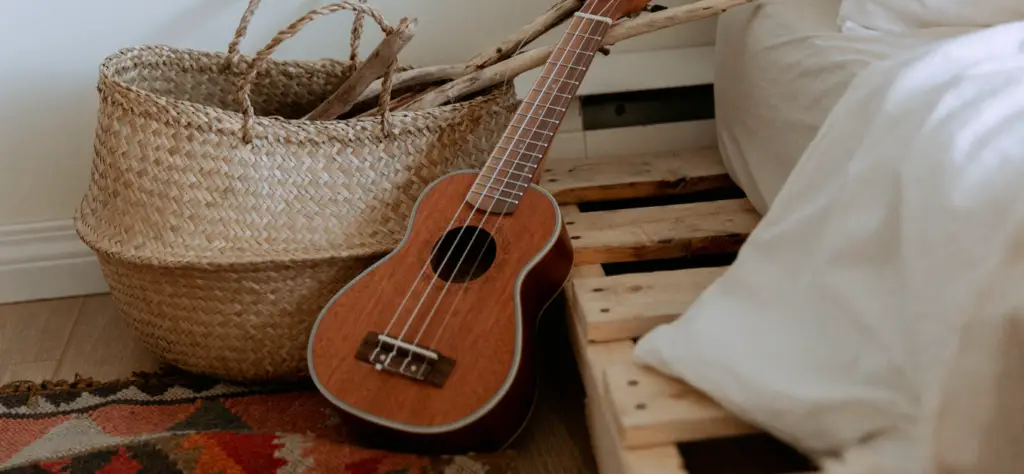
388	354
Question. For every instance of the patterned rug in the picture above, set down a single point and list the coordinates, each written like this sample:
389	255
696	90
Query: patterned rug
180	423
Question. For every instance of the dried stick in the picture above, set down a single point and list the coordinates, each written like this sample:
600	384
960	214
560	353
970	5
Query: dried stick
416	77
533	30
523	62
375	65
426	75
477	81
397	103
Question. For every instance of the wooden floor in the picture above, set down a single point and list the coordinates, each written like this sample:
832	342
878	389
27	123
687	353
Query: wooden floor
55	339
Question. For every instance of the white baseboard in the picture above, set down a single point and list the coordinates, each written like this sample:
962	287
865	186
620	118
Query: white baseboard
46	260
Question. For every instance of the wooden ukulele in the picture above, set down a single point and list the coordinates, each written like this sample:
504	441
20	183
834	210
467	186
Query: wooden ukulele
429	350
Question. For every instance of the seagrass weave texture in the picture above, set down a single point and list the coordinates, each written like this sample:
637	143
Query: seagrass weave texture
221	234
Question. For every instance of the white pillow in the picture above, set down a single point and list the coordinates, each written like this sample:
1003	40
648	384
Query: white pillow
837	327
895	16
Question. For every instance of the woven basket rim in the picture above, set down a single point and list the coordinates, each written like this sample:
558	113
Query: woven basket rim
106	71
105	241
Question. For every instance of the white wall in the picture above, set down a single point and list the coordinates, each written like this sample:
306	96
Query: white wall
48	67
52	48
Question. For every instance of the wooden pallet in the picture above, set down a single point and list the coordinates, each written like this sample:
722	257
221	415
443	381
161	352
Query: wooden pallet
650	234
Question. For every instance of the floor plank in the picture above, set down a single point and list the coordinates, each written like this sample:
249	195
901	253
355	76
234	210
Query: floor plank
33	336
97	343
27	371
102	346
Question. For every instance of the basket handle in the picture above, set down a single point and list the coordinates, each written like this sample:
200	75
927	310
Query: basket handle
245	84
243	27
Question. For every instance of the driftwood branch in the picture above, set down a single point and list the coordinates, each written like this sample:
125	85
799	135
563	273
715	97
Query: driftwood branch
520	63
416	77
397	103
375	65
480	80
669	17
533	30
508	47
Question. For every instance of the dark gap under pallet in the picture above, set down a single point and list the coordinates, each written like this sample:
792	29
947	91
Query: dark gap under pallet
648	107
667	264
689	198
750	454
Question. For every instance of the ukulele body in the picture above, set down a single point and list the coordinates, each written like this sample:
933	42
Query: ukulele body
453	371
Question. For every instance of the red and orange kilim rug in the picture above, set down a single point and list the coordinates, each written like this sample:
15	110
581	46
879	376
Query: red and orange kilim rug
186	424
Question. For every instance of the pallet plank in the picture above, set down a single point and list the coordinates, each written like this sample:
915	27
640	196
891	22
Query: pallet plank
593	358
611	454
613	458
656	460
648	233
570	213
599	356
608	452
652	409
641	421
572	181
574	313
630	305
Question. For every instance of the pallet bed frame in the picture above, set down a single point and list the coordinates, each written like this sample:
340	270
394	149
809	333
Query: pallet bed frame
650	233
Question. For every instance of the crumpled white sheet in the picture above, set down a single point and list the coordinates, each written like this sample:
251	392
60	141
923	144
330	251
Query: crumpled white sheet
780	68
902	226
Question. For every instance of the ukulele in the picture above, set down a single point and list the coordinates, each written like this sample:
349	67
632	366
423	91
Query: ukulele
429	349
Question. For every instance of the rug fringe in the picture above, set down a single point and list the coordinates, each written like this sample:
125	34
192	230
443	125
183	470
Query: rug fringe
80	382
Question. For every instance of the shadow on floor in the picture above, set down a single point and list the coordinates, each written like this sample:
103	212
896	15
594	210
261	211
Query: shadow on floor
556	441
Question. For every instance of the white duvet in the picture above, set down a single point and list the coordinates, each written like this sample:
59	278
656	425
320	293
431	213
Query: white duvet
877	312
780	68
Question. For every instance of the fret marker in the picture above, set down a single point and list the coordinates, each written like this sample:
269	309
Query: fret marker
595	17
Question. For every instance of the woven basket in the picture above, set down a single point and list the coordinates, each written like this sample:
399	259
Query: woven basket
223	229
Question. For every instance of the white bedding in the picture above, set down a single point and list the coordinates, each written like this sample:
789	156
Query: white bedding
781	65
877	308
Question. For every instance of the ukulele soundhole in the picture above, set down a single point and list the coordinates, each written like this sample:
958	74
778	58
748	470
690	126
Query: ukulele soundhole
463	254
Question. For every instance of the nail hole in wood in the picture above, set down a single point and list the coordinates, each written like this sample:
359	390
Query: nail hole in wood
605	310
641	406
598	290
575	237
632	383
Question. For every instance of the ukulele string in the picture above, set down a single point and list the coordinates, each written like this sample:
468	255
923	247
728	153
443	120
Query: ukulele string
458	238
588	36
426	264
434	252
469	218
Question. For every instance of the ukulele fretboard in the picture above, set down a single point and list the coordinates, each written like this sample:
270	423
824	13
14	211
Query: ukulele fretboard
515	161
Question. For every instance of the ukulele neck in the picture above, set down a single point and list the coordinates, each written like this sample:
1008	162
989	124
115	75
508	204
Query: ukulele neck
516	160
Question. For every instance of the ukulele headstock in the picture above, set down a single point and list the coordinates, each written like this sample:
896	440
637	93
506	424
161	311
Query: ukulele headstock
615	9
